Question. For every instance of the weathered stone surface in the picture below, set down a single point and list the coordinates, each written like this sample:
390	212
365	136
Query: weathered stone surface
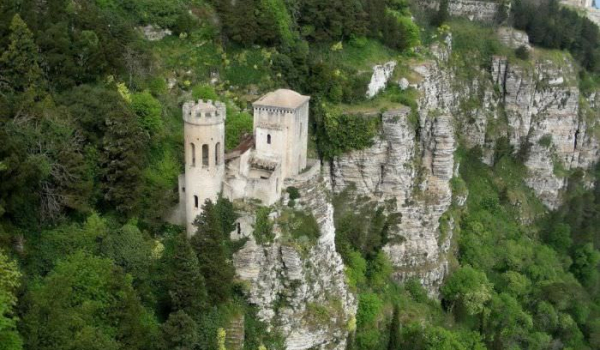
537	107
284	282
542	108
381	75
154	33
513	38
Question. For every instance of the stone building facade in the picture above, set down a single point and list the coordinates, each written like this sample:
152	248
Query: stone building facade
260	164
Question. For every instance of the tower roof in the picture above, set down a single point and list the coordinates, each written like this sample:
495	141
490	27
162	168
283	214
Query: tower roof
282	98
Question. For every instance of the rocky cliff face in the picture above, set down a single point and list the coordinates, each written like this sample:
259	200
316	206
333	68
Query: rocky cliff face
549	121
535	106
300	289
411	163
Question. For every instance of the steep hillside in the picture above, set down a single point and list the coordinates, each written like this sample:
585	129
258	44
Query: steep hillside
450	199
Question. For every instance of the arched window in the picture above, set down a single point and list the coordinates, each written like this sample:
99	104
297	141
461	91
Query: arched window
218	153
269	139
193	154
205	155
196	202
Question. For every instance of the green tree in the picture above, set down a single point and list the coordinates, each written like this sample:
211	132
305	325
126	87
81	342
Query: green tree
507	325
131	249
395	338
149	110
442	15
19	69
9	282
124	148
180	332
585	264
185	282
86	302
468	289
210	243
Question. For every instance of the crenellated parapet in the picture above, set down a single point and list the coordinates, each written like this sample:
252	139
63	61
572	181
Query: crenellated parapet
204	112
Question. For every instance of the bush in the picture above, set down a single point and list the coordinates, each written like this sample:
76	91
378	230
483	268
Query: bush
236	126
205	92
149	110
522	53
293	192
346	132
263	227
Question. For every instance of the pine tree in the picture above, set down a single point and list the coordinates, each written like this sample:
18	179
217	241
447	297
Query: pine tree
442	15
19	69
210	244
395	342
123	159
185	283
180	332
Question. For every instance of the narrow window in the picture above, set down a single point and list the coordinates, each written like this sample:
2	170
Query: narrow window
239	228
269	139
300	130
193	154
205	155
277	185
218	153
196	202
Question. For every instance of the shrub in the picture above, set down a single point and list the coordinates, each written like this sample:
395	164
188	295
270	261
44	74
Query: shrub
522	53
149	111
545	140
236	126
205	92
346	132
263	227
293	192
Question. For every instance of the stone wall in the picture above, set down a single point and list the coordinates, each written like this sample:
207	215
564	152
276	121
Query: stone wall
474	10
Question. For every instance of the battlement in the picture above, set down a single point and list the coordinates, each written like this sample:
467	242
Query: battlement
204	112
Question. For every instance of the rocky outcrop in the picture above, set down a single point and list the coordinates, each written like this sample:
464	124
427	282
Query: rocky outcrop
542	107
154	33
474	10
513	38
415	173
379	79
288	282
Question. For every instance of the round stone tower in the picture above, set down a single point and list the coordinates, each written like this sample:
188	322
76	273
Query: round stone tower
204	135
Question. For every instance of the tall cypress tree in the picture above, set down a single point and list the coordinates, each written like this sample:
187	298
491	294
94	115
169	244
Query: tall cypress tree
185	282
211	245
19	69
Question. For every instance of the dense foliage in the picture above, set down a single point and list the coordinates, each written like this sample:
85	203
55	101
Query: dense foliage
90	151
552	26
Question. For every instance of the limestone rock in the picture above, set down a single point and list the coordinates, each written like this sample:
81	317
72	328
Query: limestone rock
381	75
154	33
403	84
285	283
513	38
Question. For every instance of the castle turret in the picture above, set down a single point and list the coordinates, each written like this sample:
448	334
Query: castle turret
204	135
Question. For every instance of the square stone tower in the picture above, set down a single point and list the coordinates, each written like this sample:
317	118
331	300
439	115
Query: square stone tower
281	129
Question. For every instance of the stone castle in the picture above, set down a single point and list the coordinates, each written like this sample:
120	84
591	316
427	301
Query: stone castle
256	169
